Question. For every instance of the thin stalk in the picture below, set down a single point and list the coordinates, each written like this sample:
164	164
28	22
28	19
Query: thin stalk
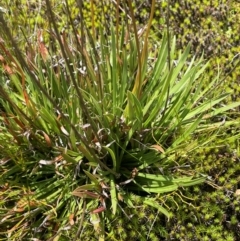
168	37
137	85
145	46
169	57
93	21
81	221
117	27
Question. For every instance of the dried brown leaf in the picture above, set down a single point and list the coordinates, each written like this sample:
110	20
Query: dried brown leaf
158	148
41	46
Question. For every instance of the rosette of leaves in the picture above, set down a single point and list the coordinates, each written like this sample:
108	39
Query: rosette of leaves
96	124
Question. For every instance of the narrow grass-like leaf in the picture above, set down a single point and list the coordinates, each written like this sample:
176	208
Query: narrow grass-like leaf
163	189
163	178
192	182
113	193
88	187
154	204
85	194
114	71
135	108
159	102
112	154
70	159
207	105
190	129
92	177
